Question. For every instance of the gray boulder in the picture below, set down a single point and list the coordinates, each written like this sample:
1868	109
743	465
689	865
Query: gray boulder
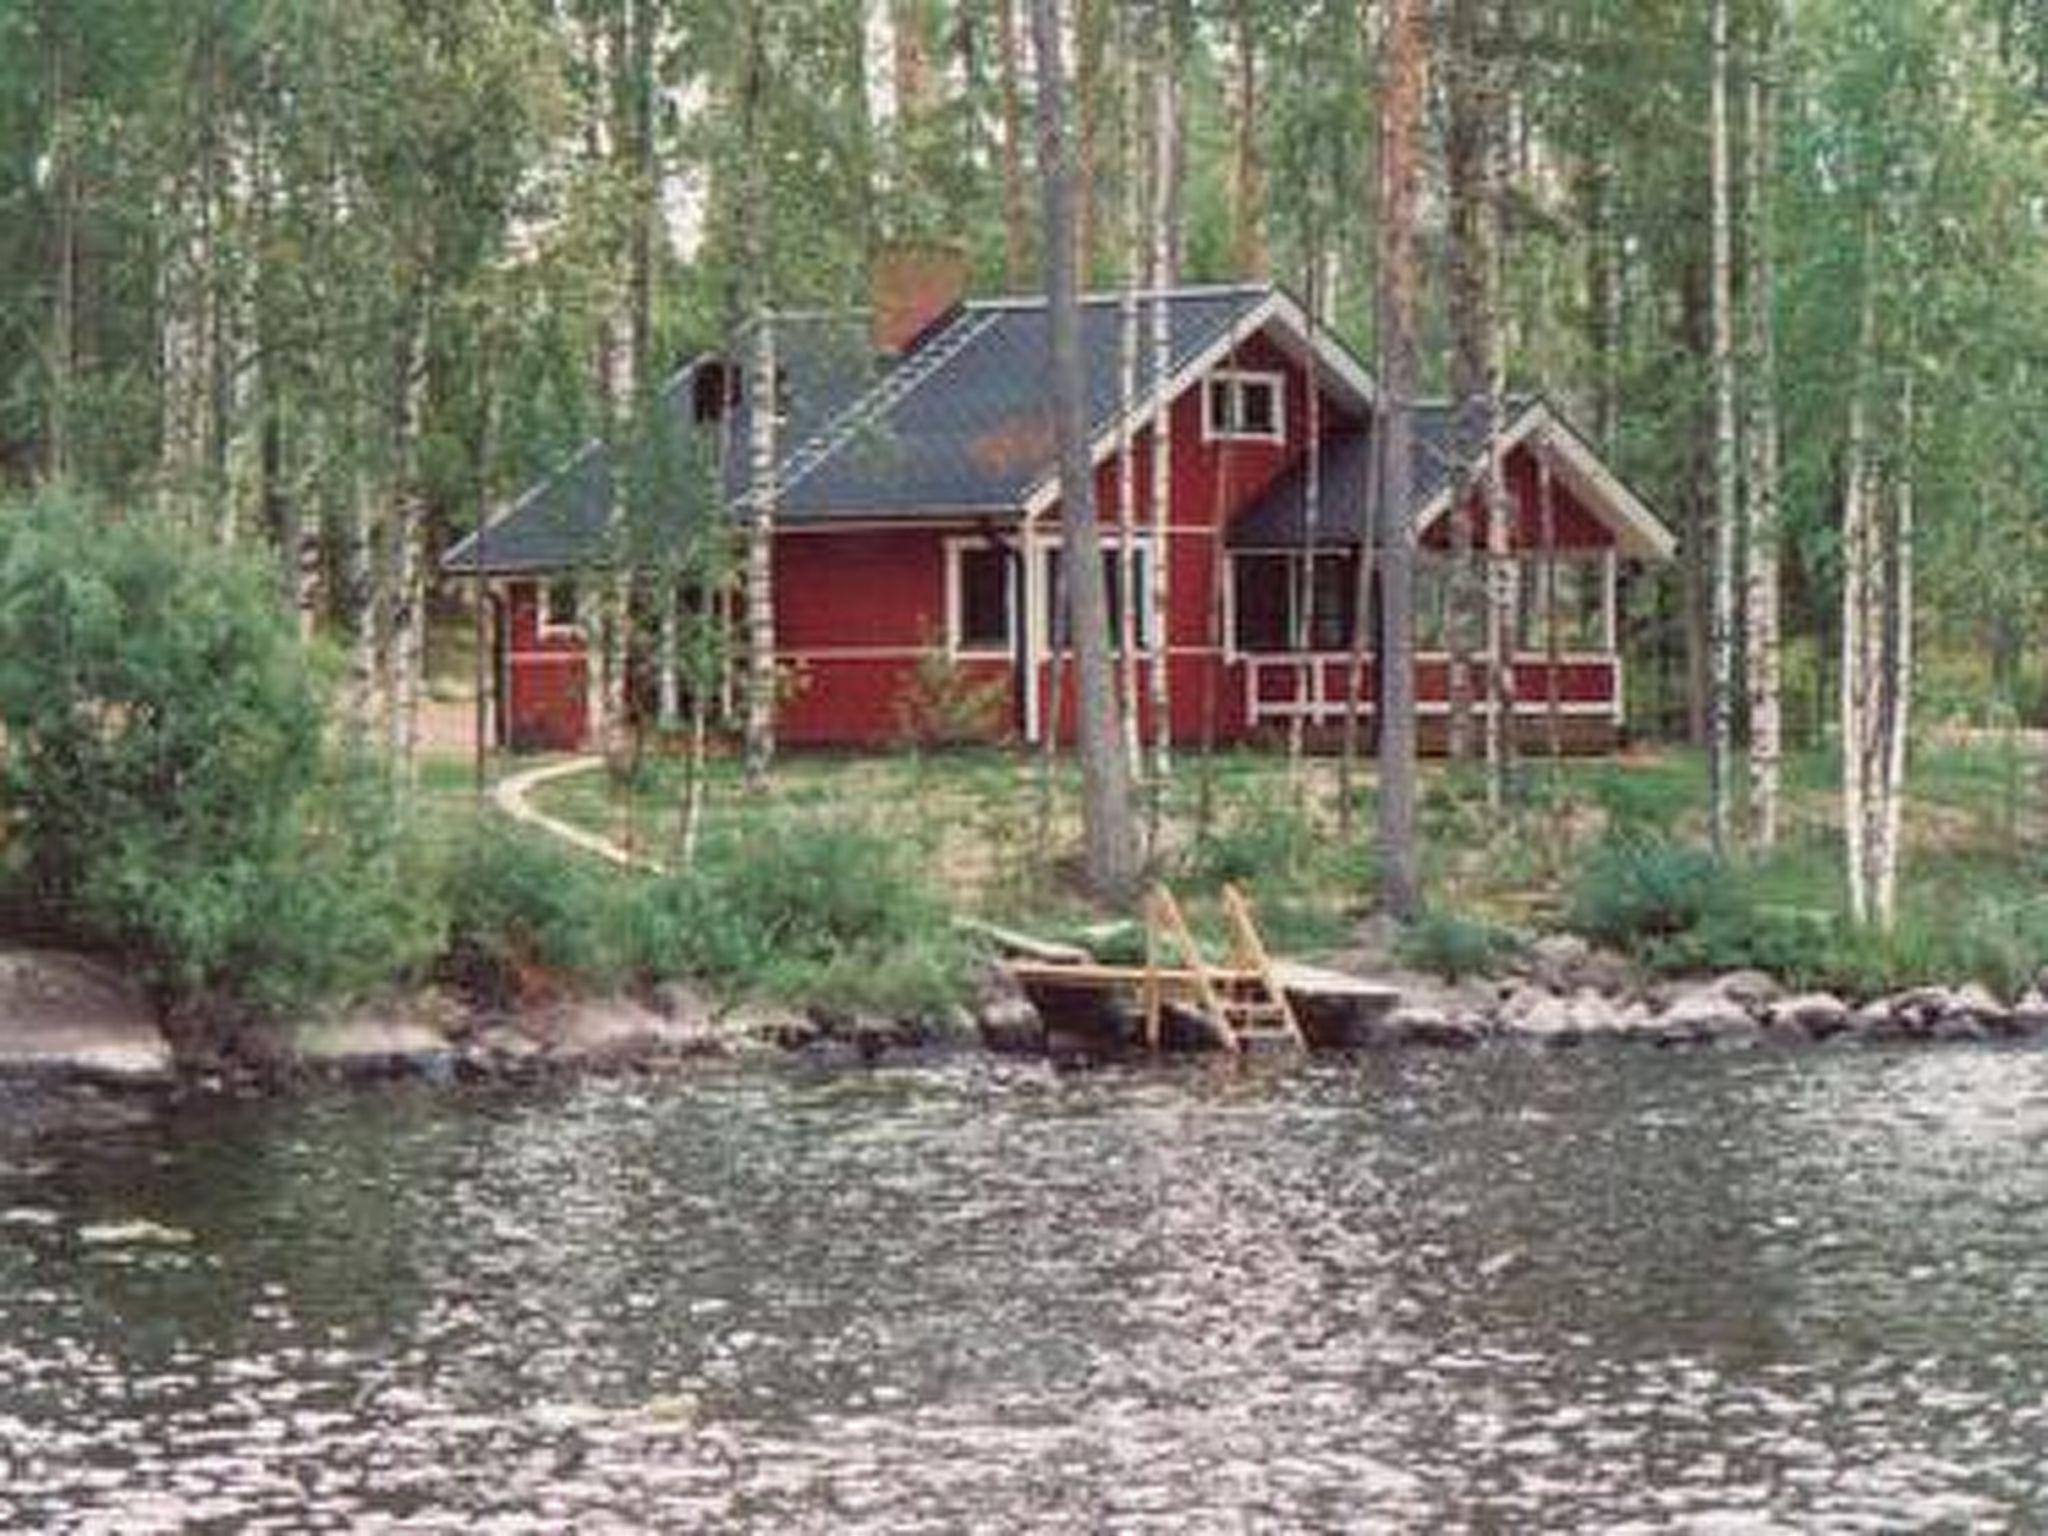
1753	990
1707	1016
1011	1026
2029	1014
1816	1014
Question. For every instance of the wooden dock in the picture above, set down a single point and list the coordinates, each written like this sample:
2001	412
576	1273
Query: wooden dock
1244	1004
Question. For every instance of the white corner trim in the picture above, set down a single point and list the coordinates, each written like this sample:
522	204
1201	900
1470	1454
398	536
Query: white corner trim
1638	532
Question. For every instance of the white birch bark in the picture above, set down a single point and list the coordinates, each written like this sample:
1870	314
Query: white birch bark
362	608
1128	635
1721	612
405	654
1164	130
1898	669
1856	661
1766	727
760	703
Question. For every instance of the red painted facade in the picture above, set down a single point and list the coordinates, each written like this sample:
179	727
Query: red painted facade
858	607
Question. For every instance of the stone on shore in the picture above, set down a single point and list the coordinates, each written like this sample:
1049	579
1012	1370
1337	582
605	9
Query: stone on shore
1818	1015
1708	1015
619	1031
64	1015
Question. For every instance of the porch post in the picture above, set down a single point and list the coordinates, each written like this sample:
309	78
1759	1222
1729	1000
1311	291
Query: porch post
1610	628
1034	604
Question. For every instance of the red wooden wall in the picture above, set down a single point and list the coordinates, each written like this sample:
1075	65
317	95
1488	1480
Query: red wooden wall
857	607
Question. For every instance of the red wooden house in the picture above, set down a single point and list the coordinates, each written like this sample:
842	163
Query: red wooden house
917	515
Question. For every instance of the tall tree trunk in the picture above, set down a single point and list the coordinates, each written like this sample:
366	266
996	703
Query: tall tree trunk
1112	849
1132	265
1165	120
362	611
61	363
405	653
1248	192
1493	488
1858	663
1897	690
1720	713
1766	727
760	729
1465	152
1404	77
1016	218
759	744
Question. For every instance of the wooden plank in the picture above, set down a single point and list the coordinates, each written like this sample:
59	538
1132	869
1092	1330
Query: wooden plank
1177	930
1251	952
1008	941
1103	977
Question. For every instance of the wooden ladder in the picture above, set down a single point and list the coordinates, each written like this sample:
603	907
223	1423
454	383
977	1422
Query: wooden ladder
1242	1001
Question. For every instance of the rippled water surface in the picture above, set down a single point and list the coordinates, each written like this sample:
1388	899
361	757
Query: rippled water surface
1622	1292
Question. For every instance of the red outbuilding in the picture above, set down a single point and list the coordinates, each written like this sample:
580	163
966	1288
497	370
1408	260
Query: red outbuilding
917	526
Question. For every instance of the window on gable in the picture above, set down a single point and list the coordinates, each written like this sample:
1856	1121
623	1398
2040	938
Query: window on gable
983	595
1244	407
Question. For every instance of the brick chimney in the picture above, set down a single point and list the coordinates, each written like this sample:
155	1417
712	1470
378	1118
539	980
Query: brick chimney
915	286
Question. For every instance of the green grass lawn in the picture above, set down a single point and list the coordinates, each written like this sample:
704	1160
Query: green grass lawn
972	823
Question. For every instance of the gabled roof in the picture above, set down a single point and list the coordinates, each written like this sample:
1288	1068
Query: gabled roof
1446	450
959	426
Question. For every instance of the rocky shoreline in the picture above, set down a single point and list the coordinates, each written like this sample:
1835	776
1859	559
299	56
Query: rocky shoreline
79	1046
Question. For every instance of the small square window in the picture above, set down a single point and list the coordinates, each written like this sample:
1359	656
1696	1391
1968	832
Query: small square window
1244	406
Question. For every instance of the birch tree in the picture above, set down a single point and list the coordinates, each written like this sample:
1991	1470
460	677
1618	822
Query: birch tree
1110	833
1404	82
1761	531
1721	629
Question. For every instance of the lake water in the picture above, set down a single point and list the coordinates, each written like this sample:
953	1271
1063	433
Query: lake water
1622	1291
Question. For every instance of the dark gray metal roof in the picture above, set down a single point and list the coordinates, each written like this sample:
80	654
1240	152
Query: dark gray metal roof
961	424
1279	518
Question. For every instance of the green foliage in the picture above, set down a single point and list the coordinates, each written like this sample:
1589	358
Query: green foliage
807	913
164	770
1257	841
526	915
1455	946
1635	888
944	705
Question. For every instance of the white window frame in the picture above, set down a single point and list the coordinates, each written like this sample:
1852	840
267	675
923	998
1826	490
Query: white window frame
1237	379
956	642
1293	558
548	625
1144	547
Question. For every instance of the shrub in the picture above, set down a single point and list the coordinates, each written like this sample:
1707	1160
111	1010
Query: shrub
526	916
943	705
1259	841
171	800
806	913
1454	946
1638	888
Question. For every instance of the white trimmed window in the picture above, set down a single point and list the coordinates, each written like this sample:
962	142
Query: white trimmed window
981	599
1241	406
561	610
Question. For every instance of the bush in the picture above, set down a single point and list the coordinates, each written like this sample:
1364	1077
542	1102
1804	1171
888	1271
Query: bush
171	799
1258	842
1638	888
805	913
943	705
526	917
1454	947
